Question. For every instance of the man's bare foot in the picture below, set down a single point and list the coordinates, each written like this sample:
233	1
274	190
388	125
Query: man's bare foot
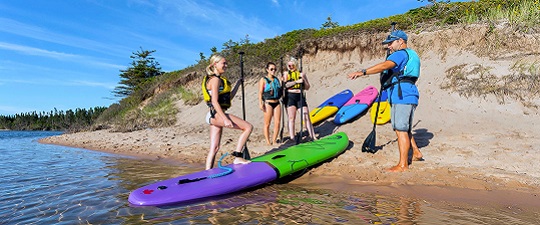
240	160
397	168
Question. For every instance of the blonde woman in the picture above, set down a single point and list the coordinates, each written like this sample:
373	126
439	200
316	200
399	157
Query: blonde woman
295	82
269	96
218	94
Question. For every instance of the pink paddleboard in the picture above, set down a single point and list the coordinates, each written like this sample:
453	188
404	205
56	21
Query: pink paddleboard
358	104
366	96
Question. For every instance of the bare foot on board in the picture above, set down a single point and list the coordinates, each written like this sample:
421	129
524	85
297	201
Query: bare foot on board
240	160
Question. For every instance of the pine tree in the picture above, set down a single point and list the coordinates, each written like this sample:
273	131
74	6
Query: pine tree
143	68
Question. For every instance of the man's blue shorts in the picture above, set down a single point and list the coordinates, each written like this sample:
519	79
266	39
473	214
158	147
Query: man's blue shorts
402	116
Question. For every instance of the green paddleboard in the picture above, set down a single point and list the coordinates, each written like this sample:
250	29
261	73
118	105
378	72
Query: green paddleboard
305	155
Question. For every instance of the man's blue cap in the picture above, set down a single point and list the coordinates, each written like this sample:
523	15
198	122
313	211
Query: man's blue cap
395	35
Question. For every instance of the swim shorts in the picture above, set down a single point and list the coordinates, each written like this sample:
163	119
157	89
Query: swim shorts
293	99
402	116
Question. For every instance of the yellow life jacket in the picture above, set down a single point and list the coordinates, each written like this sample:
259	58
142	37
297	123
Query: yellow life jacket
294	76
224	95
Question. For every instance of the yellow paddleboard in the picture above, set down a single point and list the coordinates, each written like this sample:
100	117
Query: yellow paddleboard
319	114
330	106
384	112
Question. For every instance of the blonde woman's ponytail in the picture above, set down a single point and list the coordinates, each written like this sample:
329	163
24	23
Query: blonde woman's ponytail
211	69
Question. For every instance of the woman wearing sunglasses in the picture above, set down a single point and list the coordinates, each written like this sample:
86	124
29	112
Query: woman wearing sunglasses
269	95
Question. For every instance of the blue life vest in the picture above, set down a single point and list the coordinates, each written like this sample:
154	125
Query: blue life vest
412	67
409	73
272	89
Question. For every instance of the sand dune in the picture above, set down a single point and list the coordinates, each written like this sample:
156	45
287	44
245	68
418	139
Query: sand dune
473	142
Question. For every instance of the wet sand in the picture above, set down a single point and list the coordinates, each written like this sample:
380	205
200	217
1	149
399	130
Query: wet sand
469	144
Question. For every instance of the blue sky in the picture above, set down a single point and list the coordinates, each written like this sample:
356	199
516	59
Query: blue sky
67	54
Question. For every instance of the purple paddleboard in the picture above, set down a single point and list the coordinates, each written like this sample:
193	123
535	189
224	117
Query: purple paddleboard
199	185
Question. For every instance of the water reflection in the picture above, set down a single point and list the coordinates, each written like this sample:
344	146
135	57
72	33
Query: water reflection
295	204
47	184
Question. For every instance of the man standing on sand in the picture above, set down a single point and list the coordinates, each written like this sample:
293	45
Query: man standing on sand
403	67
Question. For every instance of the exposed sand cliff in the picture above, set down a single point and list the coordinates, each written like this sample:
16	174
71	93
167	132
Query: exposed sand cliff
482	142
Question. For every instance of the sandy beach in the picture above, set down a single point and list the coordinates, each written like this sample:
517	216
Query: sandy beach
472	142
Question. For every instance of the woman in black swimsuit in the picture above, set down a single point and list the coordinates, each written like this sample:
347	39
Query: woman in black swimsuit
269	95
296	99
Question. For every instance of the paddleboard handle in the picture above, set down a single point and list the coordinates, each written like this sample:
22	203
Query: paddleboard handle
227	171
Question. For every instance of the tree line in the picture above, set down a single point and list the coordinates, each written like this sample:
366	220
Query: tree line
69	120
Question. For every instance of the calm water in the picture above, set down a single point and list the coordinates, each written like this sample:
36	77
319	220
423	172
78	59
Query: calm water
47	184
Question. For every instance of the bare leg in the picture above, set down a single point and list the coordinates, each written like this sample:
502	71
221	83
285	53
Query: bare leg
404	144
267	119
291	111
239	124
417	155
246	128
215	139
277	119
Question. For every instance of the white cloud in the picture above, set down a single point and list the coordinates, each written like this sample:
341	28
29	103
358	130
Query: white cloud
55	82
27	50
205	19
30	31
93	84
36	51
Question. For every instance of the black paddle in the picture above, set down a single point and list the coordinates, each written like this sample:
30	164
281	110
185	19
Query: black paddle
301	134
371	139
283	96
245	151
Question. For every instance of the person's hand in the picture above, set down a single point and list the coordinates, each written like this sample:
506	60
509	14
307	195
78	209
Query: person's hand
261	106
353	75
299	81
228	123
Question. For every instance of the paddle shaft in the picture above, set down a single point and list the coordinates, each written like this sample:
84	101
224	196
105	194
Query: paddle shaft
242	77
377	110
283	96
301	53
370	141
381	89
245	151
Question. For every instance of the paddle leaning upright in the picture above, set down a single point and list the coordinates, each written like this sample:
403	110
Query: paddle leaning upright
402	67
283	100
245	151
301	134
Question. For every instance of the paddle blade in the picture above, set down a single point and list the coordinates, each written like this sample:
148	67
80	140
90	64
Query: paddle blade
245	153
369	143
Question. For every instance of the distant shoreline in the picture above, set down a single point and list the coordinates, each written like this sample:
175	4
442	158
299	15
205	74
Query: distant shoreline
472	141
